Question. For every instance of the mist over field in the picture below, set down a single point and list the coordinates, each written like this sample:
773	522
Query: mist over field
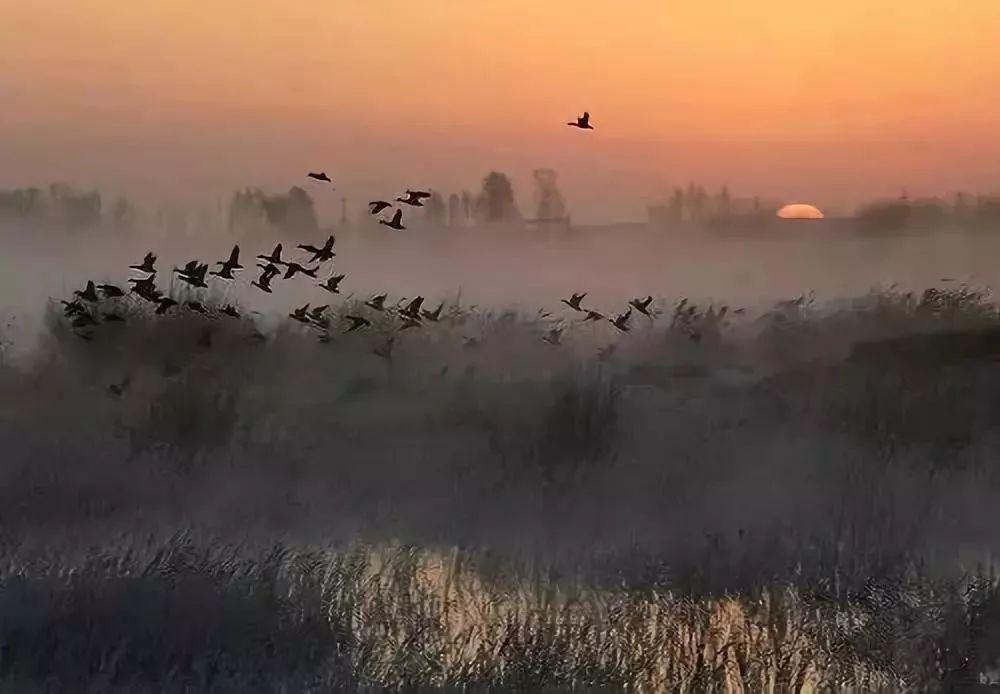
788	467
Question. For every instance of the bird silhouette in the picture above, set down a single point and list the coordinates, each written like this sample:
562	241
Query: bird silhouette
414	198
300	314
321	254
317	313
145	289
376	206
574	301
164	305
275	257
641	305
110	291
191	267
583	122
396	222
385	351
268	273
412	310
197	278
226	267
73	308
147	264
621	321
197	307
225	272
554	336
88	294
295	268
321	176
230	311
332	284
376	302
357	322
435	315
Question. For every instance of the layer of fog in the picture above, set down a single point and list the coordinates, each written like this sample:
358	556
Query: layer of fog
521	271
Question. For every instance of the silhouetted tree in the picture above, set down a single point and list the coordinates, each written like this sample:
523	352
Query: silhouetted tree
75	209
467	205
246	209
300	213
724	206
677	205
496	202
292	213
22	203
455	211
434	210
123	214
547	196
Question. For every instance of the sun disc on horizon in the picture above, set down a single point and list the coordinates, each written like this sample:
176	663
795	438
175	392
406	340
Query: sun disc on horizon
800	211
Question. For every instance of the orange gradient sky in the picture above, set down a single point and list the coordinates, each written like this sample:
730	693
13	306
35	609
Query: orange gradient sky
793	99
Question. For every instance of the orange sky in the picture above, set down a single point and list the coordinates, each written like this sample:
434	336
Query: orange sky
797	99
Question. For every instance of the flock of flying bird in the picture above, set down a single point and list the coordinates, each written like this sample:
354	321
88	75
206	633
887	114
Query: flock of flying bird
82	310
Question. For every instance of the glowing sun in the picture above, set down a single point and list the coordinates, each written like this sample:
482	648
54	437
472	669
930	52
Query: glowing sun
800	211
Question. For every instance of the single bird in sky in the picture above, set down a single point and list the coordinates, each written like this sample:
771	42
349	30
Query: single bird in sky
376	206
583	122
377	302
435	315
412	310
88	294
641	305
396	222
164	304
300	314
414	198
146	265
321	176
332	284
263	282
574	301
226	267
294	268
111	291
197	278
357	322
321	254
275	257
621	321
146	289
